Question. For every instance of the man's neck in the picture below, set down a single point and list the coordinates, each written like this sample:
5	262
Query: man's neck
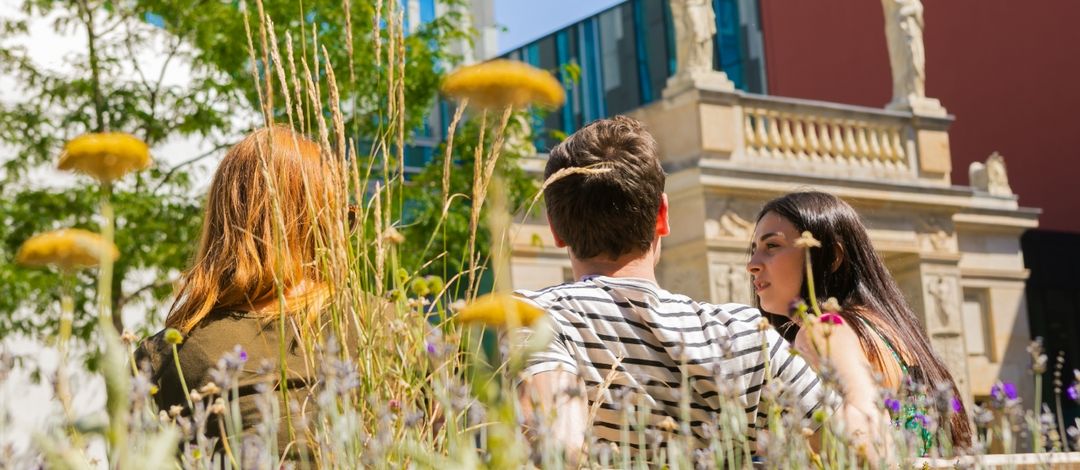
635	265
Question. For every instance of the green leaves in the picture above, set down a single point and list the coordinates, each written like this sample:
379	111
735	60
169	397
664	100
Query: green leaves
195	82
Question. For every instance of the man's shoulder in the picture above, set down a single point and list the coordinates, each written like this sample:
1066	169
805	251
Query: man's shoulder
566	290
735	313
615	290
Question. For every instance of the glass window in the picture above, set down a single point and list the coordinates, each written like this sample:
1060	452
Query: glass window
656	19
739	49
427	10
547	58
619	55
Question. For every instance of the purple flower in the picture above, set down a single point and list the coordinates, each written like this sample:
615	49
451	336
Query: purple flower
1073	392
957	406
243	356
1004	389
431	348
922	419
892	404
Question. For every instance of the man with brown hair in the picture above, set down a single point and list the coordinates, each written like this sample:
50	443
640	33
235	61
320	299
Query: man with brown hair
628	341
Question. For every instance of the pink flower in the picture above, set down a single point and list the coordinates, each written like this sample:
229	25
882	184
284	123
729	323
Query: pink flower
830	318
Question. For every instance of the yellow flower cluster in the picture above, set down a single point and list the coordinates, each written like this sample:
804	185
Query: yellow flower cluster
105	156
500	310
67	249
501	83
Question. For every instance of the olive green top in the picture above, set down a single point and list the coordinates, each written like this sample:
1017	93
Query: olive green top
216	336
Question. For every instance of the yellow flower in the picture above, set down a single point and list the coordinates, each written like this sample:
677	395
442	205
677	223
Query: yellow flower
106	156
807	240
500	310
67	249
173	336
501	83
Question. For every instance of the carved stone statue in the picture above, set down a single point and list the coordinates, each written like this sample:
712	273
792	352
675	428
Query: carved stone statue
990	176
730	226
935	235
943	291
907	55
695	28
721	283
997	179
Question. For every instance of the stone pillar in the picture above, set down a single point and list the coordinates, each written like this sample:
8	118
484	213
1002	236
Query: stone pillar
931	285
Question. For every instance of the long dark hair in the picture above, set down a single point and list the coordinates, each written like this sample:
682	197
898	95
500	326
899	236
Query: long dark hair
864	288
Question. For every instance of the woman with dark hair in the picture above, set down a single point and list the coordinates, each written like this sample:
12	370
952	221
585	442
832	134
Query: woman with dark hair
878	329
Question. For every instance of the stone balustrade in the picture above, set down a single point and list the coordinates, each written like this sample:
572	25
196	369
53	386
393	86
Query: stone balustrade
826	138
745	131
806	136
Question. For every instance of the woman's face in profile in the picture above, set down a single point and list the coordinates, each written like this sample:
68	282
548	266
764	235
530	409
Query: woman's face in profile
776	265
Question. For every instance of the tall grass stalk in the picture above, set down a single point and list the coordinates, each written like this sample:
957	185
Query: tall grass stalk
398	382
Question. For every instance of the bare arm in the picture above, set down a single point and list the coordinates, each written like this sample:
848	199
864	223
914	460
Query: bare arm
862	417
557	397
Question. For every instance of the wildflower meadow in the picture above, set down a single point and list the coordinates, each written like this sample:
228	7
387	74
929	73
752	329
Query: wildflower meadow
416	366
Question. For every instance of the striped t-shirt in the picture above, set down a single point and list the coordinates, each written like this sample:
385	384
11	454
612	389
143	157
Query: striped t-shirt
655	340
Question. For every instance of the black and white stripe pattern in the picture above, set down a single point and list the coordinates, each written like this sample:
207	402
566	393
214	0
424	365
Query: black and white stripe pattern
656	341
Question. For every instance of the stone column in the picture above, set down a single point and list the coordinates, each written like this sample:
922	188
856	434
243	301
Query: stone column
931	285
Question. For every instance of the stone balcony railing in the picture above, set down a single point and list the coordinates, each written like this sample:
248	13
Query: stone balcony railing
795	135
758	132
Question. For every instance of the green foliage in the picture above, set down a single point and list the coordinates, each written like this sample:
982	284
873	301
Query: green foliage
109	87
427	233
106	88
217	31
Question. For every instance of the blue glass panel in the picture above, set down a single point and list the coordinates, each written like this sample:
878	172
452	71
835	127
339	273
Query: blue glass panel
562	53
427	10
728	41
642	51
591	78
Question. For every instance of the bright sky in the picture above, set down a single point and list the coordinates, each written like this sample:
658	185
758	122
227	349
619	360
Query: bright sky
526	20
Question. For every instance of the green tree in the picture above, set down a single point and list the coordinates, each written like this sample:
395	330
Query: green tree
112	87
428	234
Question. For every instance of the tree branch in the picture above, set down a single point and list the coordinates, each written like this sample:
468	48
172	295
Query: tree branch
173	170
127	298
95	70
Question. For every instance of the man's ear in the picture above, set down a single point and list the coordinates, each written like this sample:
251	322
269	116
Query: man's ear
839	258
663	226
558	241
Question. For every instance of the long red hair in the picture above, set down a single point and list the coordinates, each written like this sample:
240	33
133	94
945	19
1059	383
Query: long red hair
270	203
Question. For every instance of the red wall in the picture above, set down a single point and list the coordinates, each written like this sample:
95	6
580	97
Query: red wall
1009	70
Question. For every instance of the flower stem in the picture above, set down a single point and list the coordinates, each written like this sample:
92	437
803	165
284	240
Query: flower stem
117	380
67	307
63	388
225	442
180	374
810	285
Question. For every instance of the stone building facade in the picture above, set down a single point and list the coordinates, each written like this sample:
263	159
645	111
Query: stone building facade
955	250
